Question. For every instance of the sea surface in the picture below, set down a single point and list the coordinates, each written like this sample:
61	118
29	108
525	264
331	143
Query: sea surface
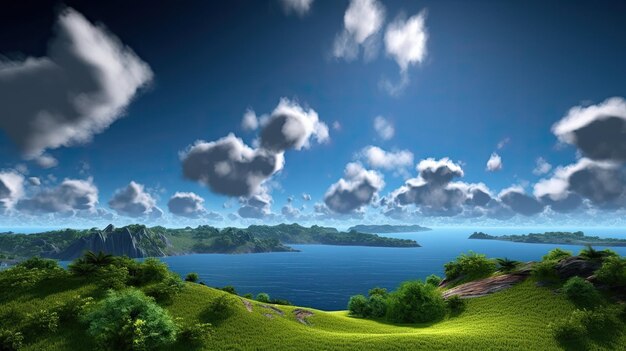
324	277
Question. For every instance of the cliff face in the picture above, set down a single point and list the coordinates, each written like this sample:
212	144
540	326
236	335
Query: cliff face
119	242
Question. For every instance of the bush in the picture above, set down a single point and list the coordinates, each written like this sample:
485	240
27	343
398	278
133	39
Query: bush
377	306
557	255
357	306
221	308
165	290
570	332
112	277
73	308
195	335
415	302
10	340
470	266
43	321
192	277
248	296
545	271
129	320
433	280
280	302
613	271
581	292
39	263
263	297
589	253
456	304
506	265
377	291
602	325
152	271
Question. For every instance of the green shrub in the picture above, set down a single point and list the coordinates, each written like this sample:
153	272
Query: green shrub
581	292
415	302
557	255
506	265
589	253
603	323
377	306
263	297
570	332
112	277
377	291
129	320
43	321
39	263
456	304
545	271
470	266
280	302
192	277
195	335
221	308
357	306
165	289
10	340
613	271
152	271
248	296
73	308
433	280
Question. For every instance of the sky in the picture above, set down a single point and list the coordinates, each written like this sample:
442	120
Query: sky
311	111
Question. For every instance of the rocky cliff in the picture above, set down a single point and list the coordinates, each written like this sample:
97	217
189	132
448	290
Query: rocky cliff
120	242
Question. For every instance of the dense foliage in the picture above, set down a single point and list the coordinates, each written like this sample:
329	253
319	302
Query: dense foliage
613	272
557	255
129	320
469	266
581	292
570	238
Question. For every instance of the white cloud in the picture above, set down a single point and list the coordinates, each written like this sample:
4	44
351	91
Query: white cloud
70	196
406	40
84	85
384	128
249	121
11	189
389	160
46	161
35	181
134	201
188	205
357	188
306	197
494	163
256	206
299	7
542	166
362	20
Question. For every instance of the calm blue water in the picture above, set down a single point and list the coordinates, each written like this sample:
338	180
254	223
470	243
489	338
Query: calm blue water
324	277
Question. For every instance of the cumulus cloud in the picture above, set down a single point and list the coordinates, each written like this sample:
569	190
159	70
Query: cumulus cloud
46	161
389	160
362	20
70	196
256	206
35	181
306	197
291	126
84	85
188	205
494	163
405	42
290	212
249	121
357	188
603	183
298	7
542	166
439	171
11	189
134	201
598	131
229	167
516	199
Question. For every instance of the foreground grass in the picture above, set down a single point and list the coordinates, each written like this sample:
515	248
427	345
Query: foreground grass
515	319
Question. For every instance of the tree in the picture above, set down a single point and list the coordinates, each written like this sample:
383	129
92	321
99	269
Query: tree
433	280
263	297
100	259
357	306
507	265
129	320
415	302
38	263
192	277
377	291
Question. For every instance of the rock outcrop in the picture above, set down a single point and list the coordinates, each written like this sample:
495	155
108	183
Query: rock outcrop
485	286
119	242
576	266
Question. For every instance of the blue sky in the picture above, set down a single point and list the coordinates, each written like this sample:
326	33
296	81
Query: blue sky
493	77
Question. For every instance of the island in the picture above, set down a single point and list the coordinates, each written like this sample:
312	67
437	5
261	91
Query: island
138	241
561	238
388	228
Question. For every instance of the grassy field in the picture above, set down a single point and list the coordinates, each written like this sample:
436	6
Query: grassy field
515	319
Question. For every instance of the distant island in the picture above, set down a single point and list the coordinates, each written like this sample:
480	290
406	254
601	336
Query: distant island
138	241
563	238
388	228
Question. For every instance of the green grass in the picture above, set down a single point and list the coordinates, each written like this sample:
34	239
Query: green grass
514	319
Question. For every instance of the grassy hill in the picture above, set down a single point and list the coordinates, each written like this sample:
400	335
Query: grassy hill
513	319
